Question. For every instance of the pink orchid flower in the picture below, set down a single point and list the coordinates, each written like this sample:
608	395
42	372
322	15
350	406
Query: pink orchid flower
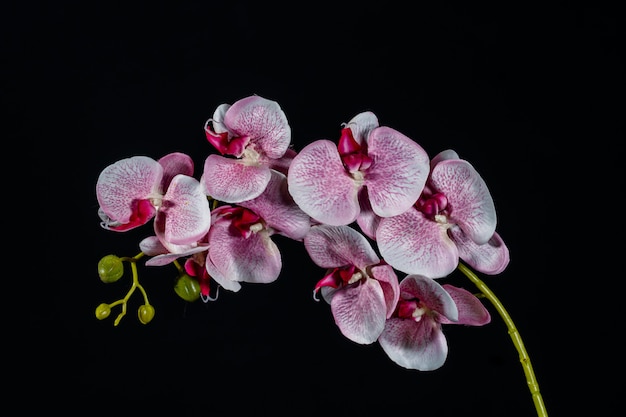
241	248
373	163
454	218
135	190
194	264
361	289
256	135
413	336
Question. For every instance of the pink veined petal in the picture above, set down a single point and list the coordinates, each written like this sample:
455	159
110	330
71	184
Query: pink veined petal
471	311
152	246
490	258
398	173
282	164
217	275
390	285
320	185
431	293
231	181
415	245
123	183
360	311
445	154
263	121
173	164
277	208
218	118
255	259
367	220
337	246
414	345
361	125
168	258
187	211
471	202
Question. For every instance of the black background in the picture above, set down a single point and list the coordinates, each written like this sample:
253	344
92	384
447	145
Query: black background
531	96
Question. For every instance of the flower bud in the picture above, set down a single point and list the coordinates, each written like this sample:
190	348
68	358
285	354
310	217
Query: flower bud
187	288
110	268
145	313
103	311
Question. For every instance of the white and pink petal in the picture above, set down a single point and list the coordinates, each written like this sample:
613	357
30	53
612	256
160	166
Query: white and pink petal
490	258
398	173
263	121
414	345
360	311
187	211
472	206
231	180
414	244
123	184
277	208
321	186
471	311
255	259
337	246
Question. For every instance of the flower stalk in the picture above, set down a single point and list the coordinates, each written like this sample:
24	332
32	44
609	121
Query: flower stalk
531	380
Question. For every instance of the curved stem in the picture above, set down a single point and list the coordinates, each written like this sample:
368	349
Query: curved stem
533	386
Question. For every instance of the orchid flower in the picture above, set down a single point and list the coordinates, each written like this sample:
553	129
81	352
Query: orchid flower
361	289
454	218
413	336
373	163
255	134
241	248
133	191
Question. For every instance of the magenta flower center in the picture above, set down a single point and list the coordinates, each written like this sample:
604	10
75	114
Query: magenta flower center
243	220
411	309
339	277
353	155
433	205
234	146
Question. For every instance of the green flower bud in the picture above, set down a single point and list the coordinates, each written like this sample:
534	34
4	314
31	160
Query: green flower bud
110	268
146	313
187	288
103	311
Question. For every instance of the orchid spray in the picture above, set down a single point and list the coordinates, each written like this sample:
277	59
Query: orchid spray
383	221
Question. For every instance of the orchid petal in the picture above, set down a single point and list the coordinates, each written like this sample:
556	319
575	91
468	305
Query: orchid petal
232	181
255	259
471	311
263	121
398	174
152	246
472	205
337	246
388	281
367	220
415	245
429	292
121	185
173	164
361	125
321	186
490	258
222	280
443	155
360	311
187	211
277	208
414	345
218	118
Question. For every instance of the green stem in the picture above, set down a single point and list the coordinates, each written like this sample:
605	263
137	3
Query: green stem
515	336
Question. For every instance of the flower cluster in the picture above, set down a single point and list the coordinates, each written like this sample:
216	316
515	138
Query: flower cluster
382	220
